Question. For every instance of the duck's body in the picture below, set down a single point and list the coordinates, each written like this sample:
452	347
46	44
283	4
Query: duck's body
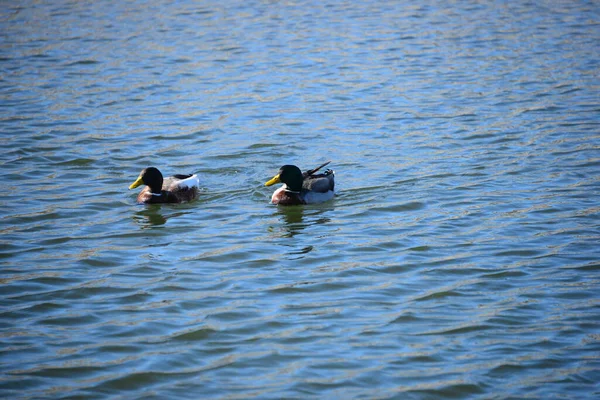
302	188
174	189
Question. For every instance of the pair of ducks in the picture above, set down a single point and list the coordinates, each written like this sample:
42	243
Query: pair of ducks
298	187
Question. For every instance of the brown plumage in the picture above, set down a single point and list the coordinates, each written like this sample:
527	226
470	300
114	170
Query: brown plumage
174	189
302	188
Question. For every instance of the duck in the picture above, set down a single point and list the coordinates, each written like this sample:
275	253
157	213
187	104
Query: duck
174	189
302	188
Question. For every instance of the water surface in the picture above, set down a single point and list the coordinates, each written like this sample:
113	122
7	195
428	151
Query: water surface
459	259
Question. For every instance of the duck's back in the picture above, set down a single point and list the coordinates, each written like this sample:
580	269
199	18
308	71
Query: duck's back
181	188
320	183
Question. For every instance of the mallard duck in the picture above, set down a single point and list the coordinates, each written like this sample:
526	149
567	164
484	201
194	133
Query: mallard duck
302	188
174	189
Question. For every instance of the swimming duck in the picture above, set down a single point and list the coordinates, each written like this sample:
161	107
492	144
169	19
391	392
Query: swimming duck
174	189
302	188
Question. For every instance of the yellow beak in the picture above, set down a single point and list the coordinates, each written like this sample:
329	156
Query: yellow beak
139	181
273	180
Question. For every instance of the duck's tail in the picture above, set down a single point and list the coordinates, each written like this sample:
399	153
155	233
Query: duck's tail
312	171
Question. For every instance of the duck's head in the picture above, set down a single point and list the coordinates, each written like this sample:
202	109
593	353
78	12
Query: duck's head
290	175
150	177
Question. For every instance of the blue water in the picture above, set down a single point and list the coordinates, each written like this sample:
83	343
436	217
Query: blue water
458	260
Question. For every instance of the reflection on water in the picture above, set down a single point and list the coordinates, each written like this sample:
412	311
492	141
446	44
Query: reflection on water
295	219
150	216
292	218
301	252
156	215
296	226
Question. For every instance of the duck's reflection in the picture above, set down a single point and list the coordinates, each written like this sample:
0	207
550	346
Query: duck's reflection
294	221
292	215
156	215
150	216
297	218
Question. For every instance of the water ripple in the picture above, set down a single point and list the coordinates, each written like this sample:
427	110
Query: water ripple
458	259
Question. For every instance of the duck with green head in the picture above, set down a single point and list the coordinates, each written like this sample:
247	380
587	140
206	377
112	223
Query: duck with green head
174	189
302	188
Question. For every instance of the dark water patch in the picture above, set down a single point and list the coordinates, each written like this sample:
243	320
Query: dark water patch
586	267
411	206
134	381
58	371
519	253
55	241
450	390
391	245
195	335
439	295
102	261
85	292
306	287
477	136
262	145
77	162
83	62
71	320
420	248
461	330
47	307
406	318
15	388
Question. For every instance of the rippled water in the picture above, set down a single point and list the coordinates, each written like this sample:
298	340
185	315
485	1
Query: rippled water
459	260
